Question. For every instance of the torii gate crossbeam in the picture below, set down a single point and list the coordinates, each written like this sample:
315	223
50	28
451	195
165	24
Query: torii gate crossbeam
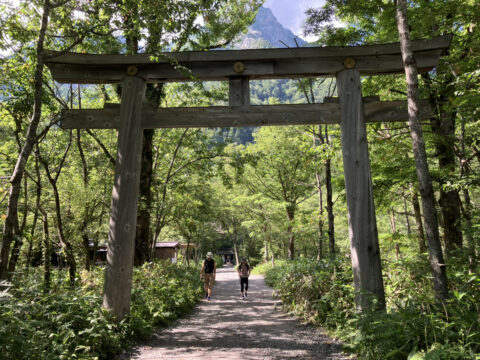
238	67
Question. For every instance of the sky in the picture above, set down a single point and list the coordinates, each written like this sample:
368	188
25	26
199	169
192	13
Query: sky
291	13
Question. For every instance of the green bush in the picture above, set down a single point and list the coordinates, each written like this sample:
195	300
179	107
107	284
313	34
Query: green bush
70	323
321	292
415	326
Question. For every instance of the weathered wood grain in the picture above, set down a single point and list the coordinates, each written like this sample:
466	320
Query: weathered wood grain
54	57
239	91
365	252
121	236
237	116
270	69
259	63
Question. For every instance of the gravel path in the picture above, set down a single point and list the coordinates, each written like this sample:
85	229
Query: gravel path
229	328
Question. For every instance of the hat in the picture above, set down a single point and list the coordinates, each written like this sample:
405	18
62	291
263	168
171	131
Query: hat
209	255
244	259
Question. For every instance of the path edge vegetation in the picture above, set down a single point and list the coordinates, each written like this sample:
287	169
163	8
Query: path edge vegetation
414	325
69	323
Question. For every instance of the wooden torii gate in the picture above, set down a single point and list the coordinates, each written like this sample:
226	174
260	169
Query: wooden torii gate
238	67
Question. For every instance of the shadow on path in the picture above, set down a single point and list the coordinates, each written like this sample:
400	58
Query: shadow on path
229	328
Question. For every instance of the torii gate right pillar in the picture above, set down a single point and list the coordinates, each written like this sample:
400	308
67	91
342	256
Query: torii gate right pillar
362	224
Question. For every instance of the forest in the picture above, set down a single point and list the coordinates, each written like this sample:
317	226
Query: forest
275	195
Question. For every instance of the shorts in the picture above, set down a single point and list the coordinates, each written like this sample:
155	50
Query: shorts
208	279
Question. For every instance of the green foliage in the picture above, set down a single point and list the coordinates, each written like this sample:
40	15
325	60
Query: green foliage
319	291
414	327
70	323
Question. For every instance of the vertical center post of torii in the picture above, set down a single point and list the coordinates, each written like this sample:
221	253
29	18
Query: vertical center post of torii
121	236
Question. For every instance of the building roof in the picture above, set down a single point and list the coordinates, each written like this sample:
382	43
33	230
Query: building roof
225	252
167	244
189	245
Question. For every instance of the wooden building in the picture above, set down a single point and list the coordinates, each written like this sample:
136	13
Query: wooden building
228	255
167	251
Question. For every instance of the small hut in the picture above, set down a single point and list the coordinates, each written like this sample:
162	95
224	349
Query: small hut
100	256
227	255
167	251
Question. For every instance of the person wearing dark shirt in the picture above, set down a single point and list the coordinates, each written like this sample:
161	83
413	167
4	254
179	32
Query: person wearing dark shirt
244	272
208	273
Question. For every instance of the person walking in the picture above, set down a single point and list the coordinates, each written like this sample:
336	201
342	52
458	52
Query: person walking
207	274
244	272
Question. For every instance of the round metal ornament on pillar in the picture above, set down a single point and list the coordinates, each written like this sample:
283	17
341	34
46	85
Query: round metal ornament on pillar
349	63
132	70
239	67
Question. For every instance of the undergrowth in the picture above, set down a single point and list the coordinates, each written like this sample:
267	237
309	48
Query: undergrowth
414	326
68	323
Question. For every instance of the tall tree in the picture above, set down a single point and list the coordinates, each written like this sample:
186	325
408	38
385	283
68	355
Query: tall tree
282	169
437	262
323	138
65	243
16	178
23	27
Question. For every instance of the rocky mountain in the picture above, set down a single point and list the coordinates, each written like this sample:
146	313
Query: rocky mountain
267	32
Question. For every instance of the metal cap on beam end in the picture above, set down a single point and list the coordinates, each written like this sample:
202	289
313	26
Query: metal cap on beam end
349	63
132	70
239	67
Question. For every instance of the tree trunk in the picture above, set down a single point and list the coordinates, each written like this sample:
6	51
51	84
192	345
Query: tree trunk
418	220
443	126
265	232
469	230
320	217
187	252
331	218
160	213
291	238
142	235
83	227
407	219
66	244
235	245
319	135
47	256
328	185
272	254
16	179
38	183
450	205
467	209
426	189
393	221
19	233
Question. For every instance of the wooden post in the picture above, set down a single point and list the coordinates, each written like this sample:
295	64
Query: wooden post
365	252
239	91
121	237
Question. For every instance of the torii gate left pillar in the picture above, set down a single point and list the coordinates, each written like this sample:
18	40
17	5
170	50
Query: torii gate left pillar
121	235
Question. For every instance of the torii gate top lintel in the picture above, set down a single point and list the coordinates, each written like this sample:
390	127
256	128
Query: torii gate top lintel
252	63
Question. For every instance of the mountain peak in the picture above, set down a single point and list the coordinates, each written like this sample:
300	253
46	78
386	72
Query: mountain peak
266	31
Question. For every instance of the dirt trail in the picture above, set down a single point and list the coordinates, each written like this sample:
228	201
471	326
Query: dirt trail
229	328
